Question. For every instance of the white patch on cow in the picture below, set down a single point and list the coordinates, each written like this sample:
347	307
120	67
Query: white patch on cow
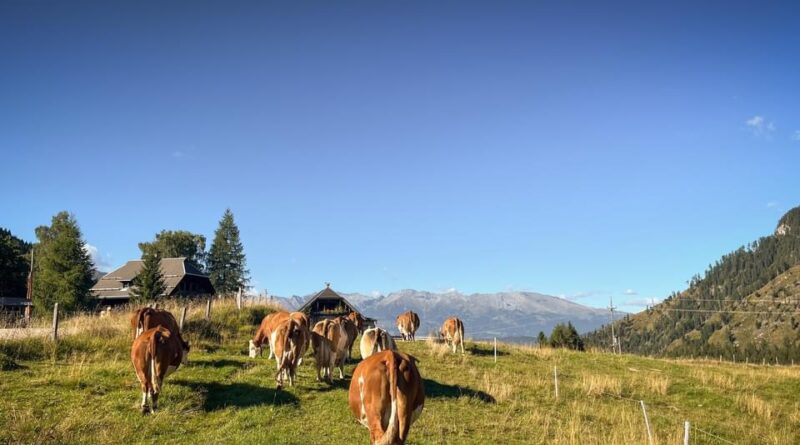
363	420
272	337
254	350
144	398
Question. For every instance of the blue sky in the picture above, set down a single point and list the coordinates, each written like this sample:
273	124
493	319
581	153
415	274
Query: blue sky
582	150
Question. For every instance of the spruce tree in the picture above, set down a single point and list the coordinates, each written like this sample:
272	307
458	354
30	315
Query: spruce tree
542	339
63	272
149	284
227	266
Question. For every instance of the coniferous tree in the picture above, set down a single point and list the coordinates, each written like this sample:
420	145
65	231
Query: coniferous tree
14	265
226	261
149	284
63	268
542	338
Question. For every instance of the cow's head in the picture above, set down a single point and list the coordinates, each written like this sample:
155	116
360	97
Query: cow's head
254	350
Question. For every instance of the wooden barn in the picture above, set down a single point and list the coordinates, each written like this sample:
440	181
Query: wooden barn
328	303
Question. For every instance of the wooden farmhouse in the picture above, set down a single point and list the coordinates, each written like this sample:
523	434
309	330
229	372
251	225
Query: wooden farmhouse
182	279
328	303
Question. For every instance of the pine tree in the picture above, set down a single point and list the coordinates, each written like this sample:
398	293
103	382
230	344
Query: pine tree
63	267
226	261
149	284
542	339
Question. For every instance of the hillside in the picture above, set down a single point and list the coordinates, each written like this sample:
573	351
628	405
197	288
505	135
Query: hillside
747	304
505	315
85	391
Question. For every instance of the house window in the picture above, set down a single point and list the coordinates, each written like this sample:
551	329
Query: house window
126	284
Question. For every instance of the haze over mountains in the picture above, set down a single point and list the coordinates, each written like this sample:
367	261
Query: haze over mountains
515	316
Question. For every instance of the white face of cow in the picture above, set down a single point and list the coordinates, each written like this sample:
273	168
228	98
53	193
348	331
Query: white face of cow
254	350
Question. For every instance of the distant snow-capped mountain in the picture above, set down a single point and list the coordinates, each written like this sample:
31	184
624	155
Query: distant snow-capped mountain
519	315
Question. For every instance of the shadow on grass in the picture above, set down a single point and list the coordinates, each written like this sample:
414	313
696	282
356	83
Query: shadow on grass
241	395
337	384
480	351
221	363
434	389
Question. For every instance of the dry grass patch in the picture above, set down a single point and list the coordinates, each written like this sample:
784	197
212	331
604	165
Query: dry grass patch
752	404
657	384
595	385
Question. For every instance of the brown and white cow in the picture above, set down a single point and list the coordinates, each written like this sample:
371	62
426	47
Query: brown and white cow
375	340
334	331
453	333
387	395
156	354
407	324
148	318
289	340
264	333
324	355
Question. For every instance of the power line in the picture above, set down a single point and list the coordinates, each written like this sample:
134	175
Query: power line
732	311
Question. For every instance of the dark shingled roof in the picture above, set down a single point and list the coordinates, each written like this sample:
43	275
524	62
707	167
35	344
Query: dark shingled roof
110	286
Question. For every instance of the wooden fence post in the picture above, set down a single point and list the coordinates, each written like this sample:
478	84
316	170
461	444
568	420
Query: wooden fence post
208	310
647	423
555	379
183	318
55	322
495	349
686	433
239	299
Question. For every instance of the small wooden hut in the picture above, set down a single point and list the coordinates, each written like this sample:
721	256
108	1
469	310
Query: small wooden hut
328	303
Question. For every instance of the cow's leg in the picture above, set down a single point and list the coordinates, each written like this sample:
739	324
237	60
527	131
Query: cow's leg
154	401
144	401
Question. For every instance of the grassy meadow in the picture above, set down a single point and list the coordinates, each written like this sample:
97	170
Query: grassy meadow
84	391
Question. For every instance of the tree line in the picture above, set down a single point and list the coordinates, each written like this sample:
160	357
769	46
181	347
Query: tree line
63	271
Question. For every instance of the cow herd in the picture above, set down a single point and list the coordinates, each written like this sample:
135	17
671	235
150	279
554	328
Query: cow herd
386	390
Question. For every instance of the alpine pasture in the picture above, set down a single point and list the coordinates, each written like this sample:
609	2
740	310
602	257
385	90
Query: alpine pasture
83	390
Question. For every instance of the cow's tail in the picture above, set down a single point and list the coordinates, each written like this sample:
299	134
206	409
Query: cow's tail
139	328
392	432
461	334
158	337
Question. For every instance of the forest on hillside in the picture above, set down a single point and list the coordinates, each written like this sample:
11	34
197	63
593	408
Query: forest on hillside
747	304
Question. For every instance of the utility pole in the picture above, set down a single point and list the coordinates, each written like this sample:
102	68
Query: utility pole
615	346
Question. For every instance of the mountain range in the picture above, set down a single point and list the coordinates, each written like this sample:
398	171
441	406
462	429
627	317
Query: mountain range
513	316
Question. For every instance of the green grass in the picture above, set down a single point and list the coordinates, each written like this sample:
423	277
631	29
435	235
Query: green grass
85	391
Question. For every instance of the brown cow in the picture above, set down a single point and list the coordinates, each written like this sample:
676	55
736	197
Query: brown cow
453	333
358	320
324	354
352	333
264	333
334	331
407	324
289	341
375	340
387	395
155	355
149	318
